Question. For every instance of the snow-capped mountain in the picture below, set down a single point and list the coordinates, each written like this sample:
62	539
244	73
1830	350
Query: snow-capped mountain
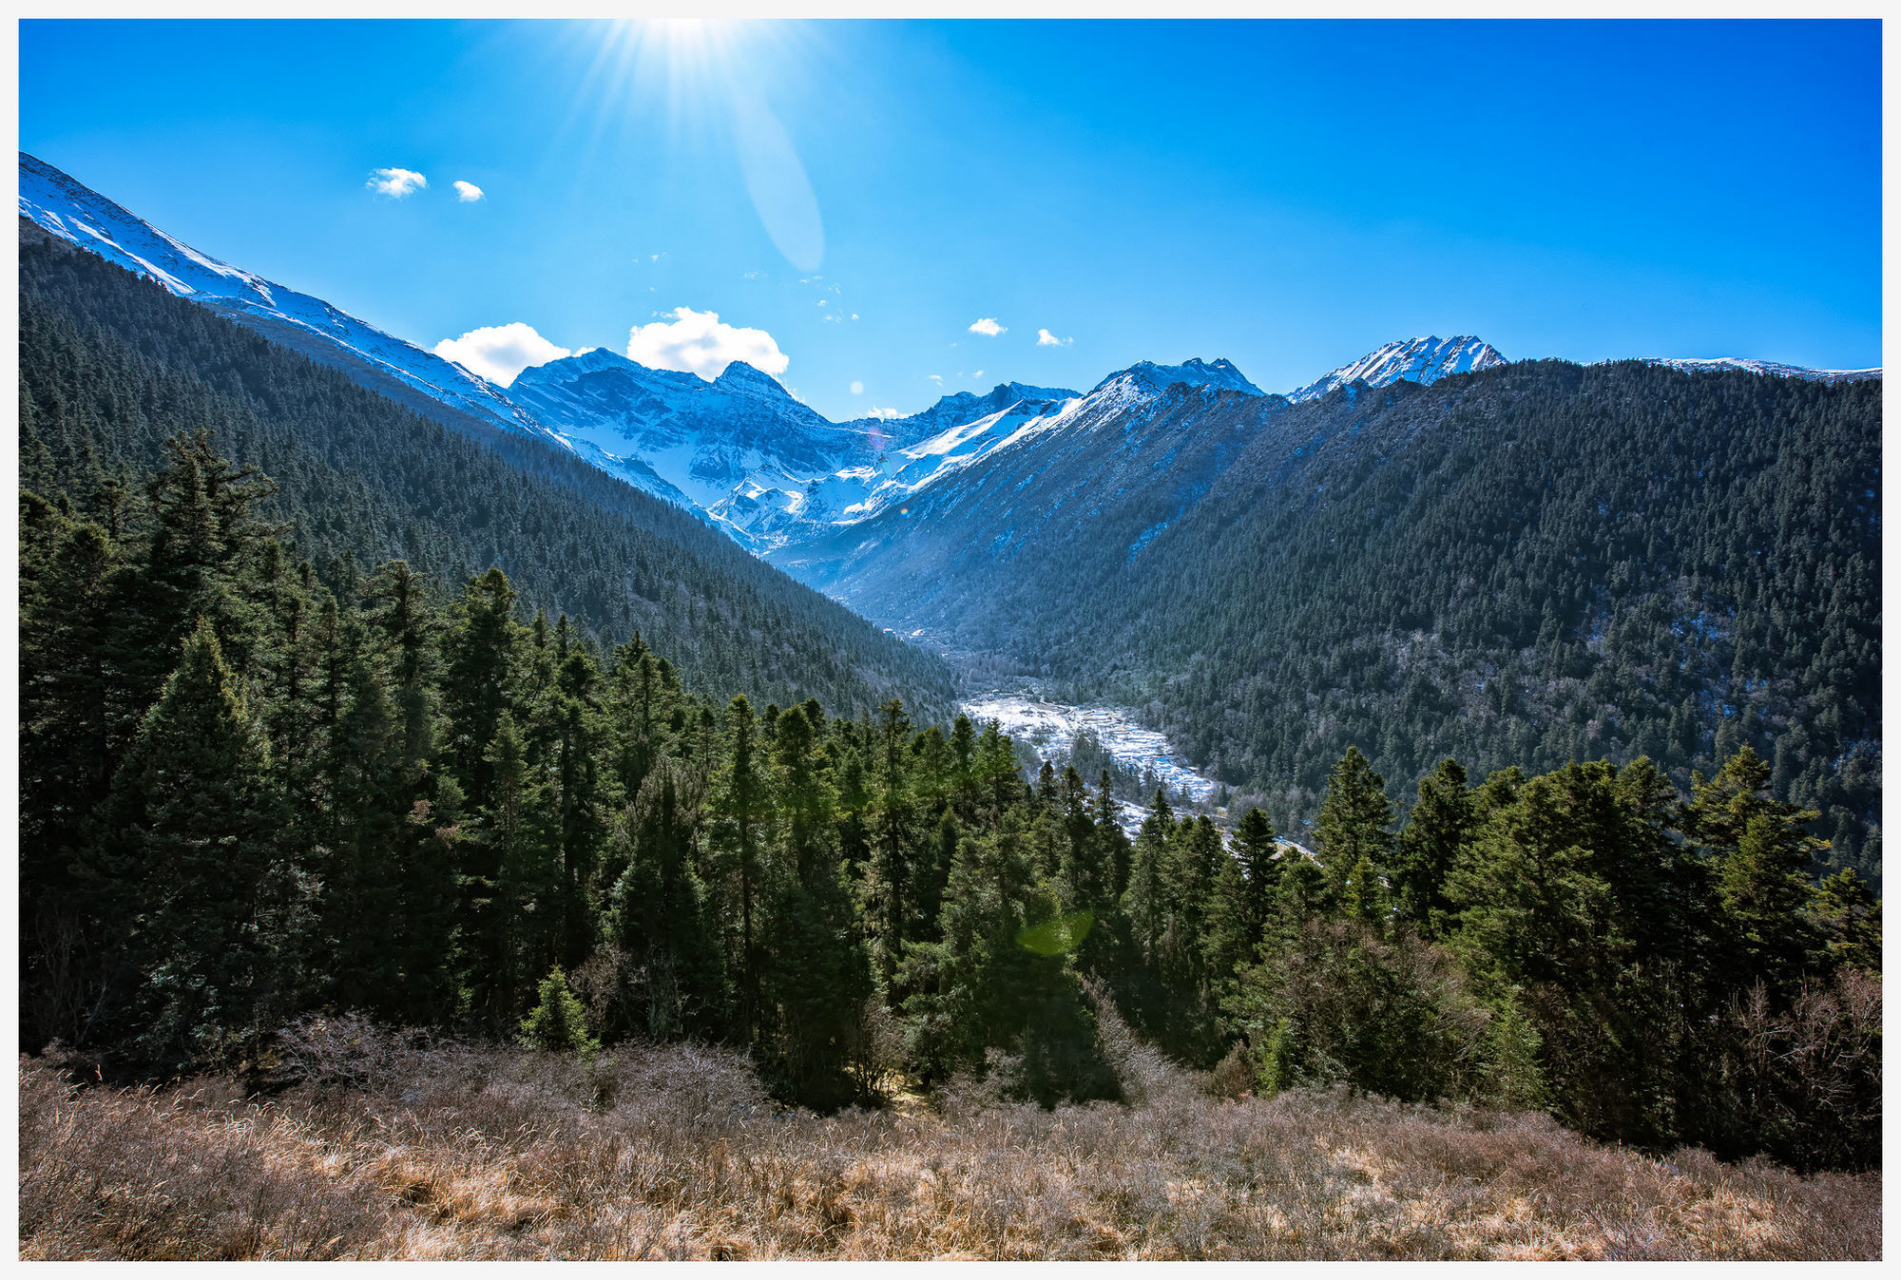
1135	453
1149	379
741	451
704	438
957	409
773	509
1422	360
72	211
776	508
764	466
1767	367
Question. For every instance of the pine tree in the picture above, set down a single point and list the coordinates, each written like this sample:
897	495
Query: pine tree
1229	942
1762	860
889	906
662	918
514	918
368	831
558	1023
1147	902
582	735
742	809
1116	850
480	677
816	976
1442	821
67	754
182	866
1850	917
1353	822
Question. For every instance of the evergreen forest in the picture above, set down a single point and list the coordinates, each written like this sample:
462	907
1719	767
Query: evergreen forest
249	795
1534	564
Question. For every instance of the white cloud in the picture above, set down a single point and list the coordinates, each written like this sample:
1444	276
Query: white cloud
938	378
395	183
978	374
1044	338
501	352
698	342
876	412
988	328
466	192
858	388
854	315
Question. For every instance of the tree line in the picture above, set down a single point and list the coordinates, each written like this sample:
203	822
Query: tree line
249	794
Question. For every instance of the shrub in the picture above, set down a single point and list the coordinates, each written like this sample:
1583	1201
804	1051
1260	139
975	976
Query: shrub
559	1022
1340	1003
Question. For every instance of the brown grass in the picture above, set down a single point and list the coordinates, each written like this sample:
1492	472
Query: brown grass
458	1152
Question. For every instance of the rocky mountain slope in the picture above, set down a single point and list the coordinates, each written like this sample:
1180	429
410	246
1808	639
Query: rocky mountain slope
1422	360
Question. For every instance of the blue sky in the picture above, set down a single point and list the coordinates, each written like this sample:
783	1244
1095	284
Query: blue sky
1287	195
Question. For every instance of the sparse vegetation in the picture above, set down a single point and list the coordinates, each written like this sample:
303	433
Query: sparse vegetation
390	1150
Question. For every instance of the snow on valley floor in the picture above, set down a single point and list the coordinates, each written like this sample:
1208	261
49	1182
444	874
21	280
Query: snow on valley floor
1051	727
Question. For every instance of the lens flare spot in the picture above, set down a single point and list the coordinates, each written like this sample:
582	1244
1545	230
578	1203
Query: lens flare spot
1057	937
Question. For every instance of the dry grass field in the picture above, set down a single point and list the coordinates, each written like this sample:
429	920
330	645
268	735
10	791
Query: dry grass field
388	1151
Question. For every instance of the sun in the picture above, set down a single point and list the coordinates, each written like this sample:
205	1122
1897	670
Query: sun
691	64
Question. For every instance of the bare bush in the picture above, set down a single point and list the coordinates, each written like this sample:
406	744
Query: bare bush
1807	1078
675	1152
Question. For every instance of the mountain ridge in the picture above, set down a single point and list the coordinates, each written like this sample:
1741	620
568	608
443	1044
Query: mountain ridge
739	451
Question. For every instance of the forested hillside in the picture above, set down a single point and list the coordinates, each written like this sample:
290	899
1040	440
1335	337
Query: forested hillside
112	365
1529	565
248	798
293	747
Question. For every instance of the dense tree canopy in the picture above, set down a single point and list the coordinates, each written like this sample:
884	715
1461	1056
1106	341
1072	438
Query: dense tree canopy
248	796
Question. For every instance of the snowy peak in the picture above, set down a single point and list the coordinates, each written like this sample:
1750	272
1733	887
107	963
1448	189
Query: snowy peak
742	377
1767	367
1000	396
606	365
590	361
1006	393
743	430
963	407
1150	379
1421	360
75	212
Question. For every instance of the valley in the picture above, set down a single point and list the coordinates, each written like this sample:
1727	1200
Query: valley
927	639
1430	551
1052	729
